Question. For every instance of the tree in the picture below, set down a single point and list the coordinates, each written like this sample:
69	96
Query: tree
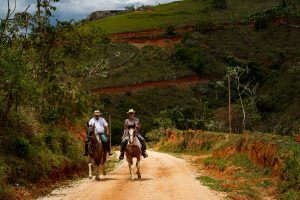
164	121
243	87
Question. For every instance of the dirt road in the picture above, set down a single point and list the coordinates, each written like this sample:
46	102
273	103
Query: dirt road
164	177
183	81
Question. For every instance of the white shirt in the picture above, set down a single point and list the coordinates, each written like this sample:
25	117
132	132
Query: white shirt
100	124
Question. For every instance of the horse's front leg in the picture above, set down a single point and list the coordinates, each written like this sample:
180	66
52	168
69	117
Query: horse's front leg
103	169
97	178
90	171
138	166
130	166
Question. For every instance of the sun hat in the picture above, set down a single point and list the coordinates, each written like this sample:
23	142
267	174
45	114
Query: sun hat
97	112
130	111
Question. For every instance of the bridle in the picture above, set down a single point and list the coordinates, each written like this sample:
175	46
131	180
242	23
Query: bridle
131	135
92	134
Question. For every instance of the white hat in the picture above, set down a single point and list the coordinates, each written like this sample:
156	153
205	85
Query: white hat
130	111
97	112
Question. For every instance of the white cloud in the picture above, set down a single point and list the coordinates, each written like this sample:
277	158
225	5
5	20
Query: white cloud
77	9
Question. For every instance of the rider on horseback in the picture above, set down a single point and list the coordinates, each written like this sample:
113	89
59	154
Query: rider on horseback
101	127
132	122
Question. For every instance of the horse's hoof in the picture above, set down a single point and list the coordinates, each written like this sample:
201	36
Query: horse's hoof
90	177
139	176
97	179
104	173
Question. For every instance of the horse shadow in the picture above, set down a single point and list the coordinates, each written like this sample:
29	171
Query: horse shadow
108	179
142	179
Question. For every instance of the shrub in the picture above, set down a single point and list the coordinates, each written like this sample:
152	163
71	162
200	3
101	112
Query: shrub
261	23
205	27
21	147
242	160
220	4
6	193
51	116
170	31
291	173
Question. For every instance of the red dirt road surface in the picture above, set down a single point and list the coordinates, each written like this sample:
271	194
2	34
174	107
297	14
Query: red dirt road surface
164	177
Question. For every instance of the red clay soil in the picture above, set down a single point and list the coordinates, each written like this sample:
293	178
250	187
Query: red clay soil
77	130
162	42
184	81
144	37
150	32
156	37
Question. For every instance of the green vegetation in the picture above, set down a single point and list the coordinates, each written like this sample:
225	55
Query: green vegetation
40	70
219	164
182	13
46	75
254	158
212	183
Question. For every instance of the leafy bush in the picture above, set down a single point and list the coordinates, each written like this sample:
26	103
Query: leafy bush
52	115
267	104
262	19
291	173
220	4
7	193
155	135
261	23
169	31
195	58
205	27
22	147
241	160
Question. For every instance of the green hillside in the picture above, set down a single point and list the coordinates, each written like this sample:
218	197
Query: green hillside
182	13
264	36
48	74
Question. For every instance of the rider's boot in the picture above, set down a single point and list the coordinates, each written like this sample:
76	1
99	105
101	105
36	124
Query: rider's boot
121	157
108	149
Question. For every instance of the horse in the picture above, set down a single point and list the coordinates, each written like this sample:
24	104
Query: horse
133	150
97	153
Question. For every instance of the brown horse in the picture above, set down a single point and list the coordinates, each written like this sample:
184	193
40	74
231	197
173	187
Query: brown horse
133	150
97	153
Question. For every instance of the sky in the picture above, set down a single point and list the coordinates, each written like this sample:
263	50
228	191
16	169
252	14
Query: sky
78	9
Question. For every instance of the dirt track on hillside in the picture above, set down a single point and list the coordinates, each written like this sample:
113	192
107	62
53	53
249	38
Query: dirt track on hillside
179	82
163	177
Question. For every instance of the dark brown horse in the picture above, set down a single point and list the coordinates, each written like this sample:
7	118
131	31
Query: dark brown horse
96	153
133	150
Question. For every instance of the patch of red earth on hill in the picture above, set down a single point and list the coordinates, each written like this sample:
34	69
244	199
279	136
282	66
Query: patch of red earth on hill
153	37
182	82
77	130
163	42
150	32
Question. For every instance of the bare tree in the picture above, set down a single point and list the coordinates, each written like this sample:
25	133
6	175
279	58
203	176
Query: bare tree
243	87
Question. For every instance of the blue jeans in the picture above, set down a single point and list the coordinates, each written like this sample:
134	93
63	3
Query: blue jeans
103	138
105	141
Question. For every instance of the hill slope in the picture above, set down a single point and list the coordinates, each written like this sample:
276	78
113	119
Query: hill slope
260	35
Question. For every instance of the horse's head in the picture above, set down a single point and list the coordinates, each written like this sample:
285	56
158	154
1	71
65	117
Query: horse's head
92	133
131	135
